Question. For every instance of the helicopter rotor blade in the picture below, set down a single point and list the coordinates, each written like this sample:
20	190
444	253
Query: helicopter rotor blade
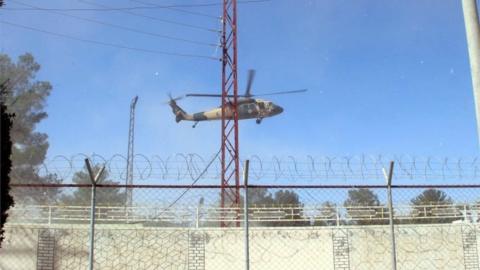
215	95
203	95
251	77
249	96
282	93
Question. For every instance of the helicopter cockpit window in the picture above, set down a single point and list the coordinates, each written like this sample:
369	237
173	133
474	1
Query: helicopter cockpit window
261	105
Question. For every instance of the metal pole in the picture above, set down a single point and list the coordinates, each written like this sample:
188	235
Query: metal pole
92	225
197	217
388	178
93	180
49	215
245	214
130	156
470	15
337	215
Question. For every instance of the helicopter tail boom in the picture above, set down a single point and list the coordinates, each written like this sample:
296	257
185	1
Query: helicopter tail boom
180	114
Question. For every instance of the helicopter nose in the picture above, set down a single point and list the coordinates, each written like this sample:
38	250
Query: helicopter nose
278	109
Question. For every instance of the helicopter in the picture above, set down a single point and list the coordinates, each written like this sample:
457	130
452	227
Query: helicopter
248	107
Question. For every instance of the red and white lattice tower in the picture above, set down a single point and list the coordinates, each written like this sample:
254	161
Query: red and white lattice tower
230	178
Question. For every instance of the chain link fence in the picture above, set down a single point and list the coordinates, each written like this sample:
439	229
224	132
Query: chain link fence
291	226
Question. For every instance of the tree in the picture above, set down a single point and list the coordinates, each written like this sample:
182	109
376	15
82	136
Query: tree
259	196
25	97
327	215
105	196
433	206
364	207
270	209
285	203
6	200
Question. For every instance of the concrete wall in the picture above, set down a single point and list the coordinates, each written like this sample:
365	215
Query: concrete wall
19	248
449	246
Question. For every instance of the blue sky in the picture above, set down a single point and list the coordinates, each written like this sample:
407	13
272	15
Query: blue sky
384	77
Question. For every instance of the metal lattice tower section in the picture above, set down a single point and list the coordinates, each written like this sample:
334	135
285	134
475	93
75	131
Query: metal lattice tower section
230	179
131	137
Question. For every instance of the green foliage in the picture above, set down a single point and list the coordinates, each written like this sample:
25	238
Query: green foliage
272	214
362	197
105	196
25	97
430	205
364	207
327	215
261	197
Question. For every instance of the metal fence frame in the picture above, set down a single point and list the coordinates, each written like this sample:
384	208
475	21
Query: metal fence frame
51	215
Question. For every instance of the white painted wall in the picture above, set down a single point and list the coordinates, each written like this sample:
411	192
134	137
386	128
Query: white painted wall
135	247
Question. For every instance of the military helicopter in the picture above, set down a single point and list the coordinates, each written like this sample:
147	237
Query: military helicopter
248	106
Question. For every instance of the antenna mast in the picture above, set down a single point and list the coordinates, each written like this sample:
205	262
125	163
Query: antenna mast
130	155
230	178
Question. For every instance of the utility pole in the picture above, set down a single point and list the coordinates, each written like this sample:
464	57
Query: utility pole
230	178
470	15
130	155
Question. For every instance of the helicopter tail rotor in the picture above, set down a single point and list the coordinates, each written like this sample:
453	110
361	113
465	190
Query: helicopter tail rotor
174	99
179	113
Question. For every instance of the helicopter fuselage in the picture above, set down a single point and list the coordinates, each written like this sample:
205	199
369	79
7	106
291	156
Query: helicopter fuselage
247	109
247	106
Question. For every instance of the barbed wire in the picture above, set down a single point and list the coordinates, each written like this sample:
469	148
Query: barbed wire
187	167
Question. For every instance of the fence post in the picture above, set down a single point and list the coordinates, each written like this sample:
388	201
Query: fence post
337	214
197	213
93	180
388	178
49	215
245	215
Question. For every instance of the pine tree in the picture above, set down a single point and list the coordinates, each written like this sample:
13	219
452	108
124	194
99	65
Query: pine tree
364	207
105	196
285	201
431	205
327	215
25	97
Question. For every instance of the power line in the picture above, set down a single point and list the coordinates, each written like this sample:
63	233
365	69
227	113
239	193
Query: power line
134	8
195	181
151	17
106	43
192	185
181	10
123	27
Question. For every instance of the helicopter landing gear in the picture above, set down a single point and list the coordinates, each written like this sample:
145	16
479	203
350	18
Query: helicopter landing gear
195	124
259	120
